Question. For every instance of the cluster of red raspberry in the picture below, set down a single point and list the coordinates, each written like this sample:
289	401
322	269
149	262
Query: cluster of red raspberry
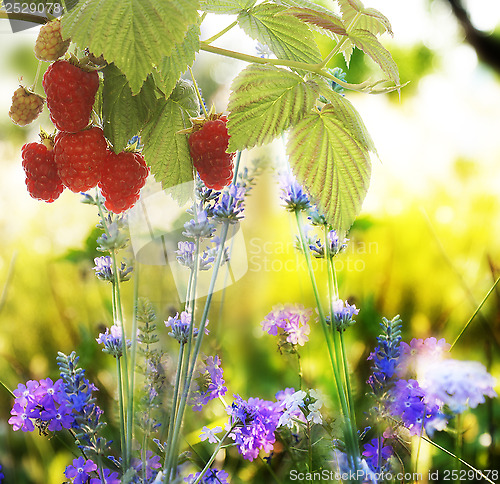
77	157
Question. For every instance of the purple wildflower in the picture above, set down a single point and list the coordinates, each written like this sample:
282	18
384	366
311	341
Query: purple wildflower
420	355
253	424
409	403
151	463
212	476
377	454
208	383
108	477
80	470
210	434
291	321
458	384
42	404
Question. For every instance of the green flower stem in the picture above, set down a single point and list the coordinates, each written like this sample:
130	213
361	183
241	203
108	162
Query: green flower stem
458	444
475	312
7	388
118	317
180	362
339	336
212	458
309	447
180	365
221	33
350	436
199	340
183	382
121	411
133	355
465	463
171	459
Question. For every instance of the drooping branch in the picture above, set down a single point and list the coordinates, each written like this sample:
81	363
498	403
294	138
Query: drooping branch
487	46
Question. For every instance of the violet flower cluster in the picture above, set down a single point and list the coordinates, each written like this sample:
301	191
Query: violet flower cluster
290	322
253	425
42	404
419	384
208	383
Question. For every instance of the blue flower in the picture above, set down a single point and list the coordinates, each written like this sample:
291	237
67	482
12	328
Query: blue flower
385	357
293	194
343	314
186	254
104	269
180	327
229	208
199	226
211	476
334	246
112	340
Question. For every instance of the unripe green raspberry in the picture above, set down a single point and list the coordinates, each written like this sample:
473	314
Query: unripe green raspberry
26	106
49	45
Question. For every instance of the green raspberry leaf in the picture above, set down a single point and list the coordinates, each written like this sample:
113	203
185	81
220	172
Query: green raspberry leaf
264	102
133	34
287	37
171	68
124	115
369	44
329	156
327	21
165	150
226	6
367	18
356	16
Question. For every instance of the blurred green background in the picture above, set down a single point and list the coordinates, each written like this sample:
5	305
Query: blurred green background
425	245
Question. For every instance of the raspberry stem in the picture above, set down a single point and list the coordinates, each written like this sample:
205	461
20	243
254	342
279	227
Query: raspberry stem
37	75
200	99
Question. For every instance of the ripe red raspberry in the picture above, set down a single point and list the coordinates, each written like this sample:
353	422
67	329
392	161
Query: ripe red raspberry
49	44
70	95
208	145
26	106
79	157
122	177
42	179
